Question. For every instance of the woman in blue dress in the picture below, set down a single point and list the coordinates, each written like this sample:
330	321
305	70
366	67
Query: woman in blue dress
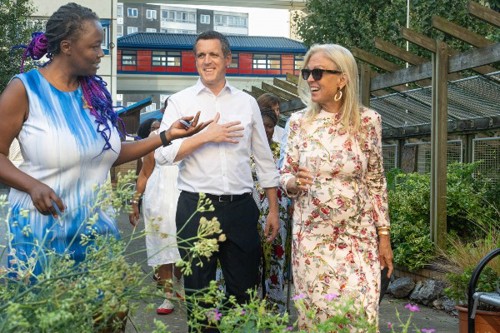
69	136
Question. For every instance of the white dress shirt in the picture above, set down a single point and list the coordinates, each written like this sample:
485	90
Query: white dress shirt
220	168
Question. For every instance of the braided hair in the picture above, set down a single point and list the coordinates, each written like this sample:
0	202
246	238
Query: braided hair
67	23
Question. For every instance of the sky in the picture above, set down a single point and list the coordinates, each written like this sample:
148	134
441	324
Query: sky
262	21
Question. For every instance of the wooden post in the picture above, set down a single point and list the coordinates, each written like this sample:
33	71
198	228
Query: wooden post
439	138
364	84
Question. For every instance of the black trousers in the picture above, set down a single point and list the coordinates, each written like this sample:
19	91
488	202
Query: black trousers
239	254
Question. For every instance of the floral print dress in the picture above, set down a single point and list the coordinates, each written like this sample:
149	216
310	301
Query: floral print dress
275	256
334	241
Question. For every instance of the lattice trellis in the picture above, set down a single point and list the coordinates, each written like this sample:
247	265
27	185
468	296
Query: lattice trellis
423	160
390	156
487	150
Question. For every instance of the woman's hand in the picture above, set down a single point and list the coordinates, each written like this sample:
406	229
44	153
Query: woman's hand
385	254
46	200
302	181
133	216
178	130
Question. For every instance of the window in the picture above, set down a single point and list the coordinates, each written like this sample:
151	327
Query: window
150	29
119	30
230	21
129	58
235	60
132	12
204	19
150	107
266	61
151	14
131	30
298	62
119	10
166	58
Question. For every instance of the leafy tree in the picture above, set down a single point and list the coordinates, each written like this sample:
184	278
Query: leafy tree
14	30
356	23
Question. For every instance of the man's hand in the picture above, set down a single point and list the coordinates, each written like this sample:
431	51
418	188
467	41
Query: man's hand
272	226
228	132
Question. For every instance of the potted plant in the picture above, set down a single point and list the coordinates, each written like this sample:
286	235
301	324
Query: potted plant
464	258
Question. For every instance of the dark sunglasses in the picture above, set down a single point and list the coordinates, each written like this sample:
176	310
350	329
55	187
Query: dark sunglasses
317	73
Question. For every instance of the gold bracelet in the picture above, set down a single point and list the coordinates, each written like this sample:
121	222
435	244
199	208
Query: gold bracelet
383	228
134	202
383	233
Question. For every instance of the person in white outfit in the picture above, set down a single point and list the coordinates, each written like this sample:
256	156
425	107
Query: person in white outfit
157	185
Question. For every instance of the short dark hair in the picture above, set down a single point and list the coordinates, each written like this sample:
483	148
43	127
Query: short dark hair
270	114
211	34
145	128
267	100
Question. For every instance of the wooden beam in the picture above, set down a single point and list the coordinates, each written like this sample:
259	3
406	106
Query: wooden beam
398	52
439	138
283	94
364	83
292	78
459	32
429	44
374	60
285	85
484	13
475	57
459	62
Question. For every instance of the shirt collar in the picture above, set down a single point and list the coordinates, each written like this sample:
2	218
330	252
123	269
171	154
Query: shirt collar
199	87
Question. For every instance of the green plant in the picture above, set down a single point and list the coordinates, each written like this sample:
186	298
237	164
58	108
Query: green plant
94	295
471	211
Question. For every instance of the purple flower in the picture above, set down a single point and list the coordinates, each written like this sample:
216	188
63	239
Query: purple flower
330	297
389	325
214	315
412	308
427	330
243	312
289	328
299	296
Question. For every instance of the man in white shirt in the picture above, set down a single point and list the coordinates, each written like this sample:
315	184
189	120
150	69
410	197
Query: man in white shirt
217	162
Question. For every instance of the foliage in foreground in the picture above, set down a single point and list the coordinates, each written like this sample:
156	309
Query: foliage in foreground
98	294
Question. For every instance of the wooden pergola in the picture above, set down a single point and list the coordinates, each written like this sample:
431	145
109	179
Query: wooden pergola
445	65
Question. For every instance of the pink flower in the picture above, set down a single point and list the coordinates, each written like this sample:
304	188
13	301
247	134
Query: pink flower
389	325
213	315
289	328
427	330
330	297
412	308
299	296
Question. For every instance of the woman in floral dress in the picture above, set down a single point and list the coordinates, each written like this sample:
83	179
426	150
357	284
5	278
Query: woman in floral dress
274	255
333	167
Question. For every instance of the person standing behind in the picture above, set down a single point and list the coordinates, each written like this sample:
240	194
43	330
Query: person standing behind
275	255
217	162
157	186
333	167
63	117
271	101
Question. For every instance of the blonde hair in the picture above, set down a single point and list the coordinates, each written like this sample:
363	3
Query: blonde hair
345	62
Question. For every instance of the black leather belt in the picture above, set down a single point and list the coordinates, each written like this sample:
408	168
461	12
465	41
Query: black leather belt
223	197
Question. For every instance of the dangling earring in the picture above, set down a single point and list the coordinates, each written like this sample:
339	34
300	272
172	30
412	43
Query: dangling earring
335	98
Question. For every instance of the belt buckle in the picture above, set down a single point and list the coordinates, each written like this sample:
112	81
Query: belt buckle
221	198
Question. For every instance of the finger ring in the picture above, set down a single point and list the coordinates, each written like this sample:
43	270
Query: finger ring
298	182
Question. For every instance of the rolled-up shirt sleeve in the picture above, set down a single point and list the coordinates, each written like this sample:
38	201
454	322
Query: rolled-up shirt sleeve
166	155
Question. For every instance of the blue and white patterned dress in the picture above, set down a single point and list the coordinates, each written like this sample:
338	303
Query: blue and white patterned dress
61	148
